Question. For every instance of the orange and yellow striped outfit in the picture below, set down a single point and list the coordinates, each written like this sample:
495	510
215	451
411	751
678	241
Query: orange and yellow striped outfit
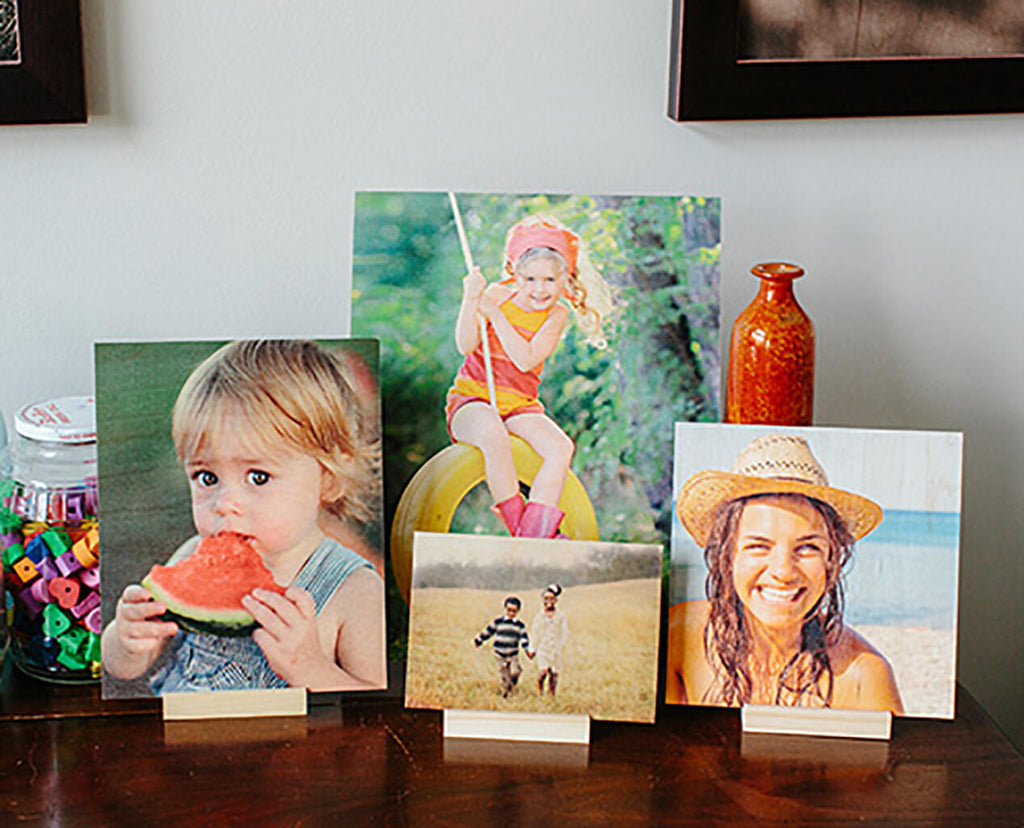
516	390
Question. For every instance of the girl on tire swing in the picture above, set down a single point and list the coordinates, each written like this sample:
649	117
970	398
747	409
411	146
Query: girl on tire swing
544	263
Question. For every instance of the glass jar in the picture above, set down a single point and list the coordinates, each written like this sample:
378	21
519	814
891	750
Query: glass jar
4	608
50	538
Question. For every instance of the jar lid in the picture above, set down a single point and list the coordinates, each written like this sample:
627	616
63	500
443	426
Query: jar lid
62	420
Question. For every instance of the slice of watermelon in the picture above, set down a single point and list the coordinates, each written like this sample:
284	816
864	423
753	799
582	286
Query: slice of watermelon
203	593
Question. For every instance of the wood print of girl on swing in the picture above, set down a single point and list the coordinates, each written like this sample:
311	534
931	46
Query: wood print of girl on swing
505	331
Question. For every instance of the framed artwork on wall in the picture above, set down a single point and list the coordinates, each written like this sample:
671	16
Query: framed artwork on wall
758	59
41	78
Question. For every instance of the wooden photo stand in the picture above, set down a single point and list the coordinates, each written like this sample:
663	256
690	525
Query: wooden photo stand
517	727
806	721
234	704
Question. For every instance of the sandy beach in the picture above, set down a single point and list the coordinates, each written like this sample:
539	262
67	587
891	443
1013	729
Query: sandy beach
924	661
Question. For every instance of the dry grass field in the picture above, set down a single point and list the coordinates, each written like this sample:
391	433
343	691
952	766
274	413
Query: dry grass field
609	662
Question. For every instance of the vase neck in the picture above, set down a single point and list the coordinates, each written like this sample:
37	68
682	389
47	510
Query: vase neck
776	289
777	280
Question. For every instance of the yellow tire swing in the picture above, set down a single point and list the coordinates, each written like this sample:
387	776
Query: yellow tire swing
436	490
429	502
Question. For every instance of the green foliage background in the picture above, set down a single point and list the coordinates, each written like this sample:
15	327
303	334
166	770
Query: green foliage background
660	254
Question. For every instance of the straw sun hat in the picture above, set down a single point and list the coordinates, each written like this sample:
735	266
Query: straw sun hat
771	464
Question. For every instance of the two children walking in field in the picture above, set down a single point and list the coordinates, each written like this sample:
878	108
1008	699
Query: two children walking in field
510	634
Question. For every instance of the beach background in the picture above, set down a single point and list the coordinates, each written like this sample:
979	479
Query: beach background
901	584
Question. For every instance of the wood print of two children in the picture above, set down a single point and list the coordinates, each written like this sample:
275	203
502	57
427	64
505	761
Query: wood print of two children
276	443
550	632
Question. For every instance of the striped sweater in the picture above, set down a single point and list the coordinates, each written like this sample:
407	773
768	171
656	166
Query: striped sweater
509	634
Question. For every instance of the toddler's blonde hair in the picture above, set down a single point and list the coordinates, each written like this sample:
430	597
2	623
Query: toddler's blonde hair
293	391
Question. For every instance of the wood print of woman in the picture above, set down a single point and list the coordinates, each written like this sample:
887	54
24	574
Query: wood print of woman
776	540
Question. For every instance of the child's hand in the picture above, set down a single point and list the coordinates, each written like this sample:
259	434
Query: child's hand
135	624
288	634
473	284
487	306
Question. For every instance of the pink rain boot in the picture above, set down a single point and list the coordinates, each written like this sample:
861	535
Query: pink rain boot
510	512
539	521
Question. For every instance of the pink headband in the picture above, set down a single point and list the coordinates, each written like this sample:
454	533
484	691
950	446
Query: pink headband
523	237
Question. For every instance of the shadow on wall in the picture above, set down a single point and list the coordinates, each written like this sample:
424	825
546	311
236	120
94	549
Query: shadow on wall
990	622
992	639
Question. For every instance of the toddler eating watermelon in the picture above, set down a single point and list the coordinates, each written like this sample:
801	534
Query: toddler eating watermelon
274	440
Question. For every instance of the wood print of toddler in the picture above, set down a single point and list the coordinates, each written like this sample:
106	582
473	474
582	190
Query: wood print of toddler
776	539
274	440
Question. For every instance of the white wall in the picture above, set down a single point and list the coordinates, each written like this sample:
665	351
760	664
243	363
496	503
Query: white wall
211	195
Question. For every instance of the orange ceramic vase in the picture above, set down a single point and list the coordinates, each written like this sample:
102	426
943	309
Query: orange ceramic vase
771	354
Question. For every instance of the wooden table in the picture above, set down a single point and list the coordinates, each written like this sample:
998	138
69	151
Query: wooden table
69	759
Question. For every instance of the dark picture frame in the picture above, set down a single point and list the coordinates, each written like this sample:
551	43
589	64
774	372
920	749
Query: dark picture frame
708	82
44	83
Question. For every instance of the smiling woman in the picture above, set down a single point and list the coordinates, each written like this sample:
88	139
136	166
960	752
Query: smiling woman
776	538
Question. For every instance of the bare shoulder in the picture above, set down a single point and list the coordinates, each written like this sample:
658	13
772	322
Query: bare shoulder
864	679
352	628
559	313
688	618
558	317
851	649
687	674
360	593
